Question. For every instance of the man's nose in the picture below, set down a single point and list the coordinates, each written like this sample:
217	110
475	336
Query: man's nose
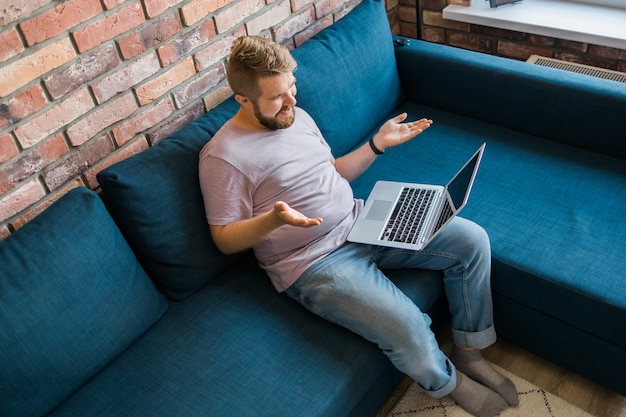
290	99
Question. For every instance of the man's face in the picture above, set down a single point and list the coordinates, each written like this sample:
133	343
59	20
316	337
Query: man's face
274	109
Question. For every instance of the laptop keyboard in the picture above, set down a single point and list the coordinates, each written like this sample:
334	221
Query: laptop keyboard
446	213
407	219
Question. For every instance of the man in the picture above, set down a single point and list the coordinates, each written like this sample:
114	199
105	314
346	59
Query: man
270	183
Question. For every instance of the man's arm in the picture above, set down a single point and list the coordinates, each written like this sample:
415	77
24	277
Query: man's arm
244	234
392	133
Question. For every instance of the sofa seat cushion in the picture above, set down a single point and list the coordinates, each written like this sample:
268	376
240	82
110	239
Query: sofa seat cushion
238	348
553	212
72	298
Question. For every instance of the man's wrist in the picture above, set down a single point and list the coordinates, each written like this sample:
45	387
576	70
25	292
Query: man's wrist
375	148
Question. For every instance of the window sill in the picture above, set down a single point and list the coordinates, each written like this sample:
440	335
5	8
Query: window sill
562	19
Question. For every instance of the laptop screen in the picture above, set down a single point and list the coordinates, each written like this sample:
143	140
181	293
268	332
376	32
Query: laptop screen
460	185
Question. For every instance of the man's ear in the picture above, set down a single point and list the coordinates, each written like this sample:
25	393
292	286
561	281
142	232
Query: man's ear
243	100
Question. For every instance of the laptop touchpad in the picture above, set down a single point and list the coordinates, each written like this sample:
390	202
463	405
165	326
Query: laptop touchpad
379	210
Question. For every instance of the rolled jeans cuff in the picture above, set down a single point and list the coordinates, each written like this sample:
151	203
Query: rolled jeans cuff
448	387
474	340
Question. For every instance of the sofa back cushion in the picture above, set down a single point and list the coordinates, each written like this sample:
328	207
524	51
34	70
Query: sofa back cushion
72	298
347	76
155	199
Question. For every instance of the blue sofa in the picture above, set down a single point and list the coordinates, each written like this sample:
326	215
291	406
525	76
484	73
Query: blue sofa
123	306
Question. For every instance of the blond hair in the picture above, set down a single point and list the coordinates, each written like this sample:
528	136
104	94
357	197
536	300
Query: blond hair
252	58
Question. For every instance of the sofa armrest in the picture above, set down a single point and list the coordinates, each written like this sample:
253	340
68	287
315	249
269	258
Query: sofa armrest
576	109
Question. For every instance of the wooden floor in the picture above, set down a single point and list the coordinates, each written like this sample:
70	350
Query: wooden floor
573	388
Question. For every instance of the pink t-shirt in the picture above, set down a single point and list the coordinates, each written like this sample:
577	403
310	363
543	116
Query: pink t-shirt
243	173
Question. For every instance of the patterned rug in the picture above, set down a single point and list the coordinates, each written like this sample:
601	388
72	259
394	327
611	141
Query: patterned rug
534	402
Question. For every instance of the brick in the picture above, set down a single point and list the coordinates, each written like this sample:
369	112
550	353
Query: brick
431	18
27	102
198	10
500	33
521	52
20	199
216	51
310	31
232	16
85	69
166	81
156	7
345	9
430	4
270	18
11	44
109	27
150	36
177	122
21	106
409	14
6	119
186	42
293	25
431	34
103	117
78	161
4	232
126	77
13	10
199	86
32	162
326	7
8	148
32	66
395	27
297	5
217	96
394	21
133	148
608	52
111	4
471	42
142	121
391	4
410	30
546	41
59	19
60	114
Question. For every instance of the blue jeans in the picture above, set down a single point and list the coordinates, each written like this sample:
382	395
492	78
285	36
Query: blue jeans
347	287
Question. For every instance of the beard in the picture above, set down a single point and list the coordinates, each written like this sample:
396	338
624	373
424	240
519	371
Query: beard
275	123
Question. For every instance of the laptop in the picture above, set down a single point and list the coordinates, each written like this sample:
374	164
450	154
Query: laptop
406	215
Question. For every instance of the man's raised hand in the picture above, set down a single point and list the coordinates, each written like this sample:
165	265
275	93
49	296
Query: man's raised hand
394	132
287	215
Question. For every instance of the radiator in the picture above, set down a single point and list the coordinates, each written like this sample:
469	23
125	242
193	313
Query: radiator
579	68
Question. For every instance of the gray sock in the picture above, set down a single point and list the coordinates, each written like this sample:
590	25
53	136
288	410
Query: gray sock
472	364
475	398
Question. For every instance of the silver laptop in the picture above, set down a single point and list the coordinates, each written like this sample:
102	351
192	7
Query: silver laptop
409	216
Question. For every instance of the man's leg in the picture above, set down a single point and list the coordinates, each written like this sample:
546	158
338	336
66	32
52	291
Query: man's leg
462	251
347	288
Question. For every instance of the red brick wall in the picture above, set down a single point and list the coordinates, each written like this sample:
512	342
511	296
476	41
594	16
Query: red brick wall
86	83
505	43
